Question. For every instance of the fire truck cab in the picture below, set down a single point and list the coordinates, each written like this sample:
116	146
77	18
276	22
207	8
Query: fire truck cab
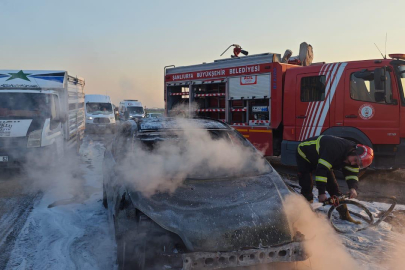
277	105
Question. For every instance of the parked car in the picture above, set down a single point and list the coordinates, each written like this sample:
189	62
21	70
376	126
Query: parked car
214	219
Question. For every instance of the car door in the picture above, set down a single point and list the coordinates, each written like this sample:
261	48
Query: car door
374	113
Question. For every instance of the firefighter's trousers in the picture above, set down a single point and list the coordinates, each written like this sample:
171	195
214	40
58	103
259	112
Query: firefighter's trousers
305	170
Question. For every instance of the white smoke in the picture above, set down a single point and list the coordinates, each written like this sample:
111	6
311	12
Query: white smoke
397	253
59	175
323	244
192	152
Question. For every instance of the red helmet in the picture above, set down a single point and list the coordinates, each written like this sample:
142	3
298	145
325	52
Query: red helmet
365	155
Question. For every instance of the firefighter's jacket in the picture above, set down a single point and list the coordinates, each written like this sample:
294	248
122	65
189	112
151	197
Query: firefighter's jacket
326	153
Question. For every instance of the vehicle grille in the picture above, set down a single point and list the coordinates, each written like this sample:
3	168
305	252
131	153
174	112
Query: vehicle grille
100	120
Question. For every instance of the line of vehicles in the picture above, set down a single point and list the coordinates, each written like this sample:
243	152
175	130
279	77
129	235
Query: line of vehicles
44	114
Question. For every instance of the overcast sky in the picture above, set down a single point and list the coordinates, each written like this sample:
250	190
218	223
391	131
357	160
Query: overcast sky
121	47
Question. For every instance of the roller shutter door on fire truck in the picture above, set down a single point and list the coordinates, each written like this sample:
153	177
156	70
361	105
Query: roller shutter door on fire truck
246	87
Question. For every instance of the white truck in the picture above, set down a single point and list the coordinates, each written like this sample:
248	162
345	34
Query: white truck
99	113
131	109
41	115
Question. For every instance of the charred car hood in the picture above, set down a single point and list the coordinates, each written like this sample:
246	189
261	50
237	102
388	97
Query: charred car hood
222	215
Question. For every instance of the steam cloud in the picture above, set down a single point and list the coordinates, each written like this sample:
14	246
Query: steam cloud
191	151
324	245
61	177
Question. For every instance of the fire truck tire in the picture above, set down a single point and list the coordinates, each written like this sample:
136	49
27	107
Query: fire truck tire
349	133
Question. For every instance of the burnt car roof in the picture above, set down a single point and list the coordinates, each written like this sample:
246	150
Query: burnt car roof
168	123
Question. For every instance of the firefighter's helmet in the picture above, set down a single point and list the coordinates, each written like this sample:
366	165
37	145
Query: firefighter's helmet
365	155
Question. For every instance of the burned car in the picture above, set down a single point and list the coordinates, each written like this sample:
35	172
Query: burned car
194	194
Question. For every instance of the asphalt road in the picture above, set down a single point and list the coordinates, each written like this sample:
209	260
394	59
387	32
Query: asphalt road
18	195
16	202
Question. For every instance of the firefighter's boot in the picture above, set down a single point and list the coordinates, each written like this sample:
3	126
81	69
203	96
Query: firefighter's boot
345	215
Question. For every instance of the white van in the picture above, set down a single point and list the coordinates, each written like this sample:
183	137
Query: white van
99	113
131	109
41	116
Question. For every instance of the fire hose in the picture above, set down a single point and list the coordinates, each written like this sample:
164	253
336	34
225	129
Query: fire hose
337	201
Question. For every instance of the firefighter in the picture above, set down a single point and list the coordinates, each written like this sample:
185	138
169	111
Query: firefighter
325	153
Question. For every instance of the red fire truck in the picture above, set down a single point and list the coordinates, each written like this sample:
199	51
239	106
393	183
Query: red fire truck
276	105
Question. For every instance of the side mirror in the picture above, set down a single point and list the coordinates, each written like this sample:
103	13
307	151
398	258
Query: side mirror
380	78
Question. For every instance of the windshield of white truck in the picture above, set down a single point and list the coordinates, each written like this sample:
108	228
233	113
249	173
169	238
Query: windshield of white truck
135	110
24	105
99	108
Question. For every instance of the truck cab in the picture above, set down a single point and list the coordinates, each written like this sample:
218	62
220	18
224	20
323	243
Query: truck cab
362	101
41	115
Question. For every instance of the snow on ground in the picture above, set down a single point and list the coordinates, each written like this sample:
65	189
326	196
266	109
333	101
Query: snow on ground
68	230
74	232
374	247
381	247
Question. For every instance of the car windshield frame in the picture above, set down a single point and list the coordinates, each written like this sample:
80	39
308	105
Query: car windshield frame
153	136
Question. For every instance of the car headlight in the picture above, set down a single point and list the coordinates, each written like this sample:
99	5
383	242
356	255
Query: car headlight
89	118
34	139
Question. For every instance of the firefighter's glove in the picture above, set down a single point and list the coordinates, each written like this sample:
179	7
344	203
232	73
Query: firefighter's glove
322	198
345	215
352	193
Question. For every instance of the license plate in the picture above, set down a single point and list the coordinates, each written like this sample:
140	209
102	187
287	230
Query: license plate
3	158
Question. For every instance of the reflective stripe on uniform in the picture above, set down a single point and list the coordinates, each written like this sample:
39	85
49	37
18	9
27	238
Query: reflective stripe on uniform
302	154
352	177
352	169
321	179
318	144
325	163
